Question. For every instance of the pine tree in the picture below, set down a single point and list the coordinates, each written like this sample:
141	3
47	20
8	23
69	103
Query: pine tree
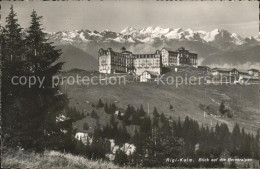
120	117
106	108
99	147
222	108
146	125
166	129
155	112
12	50
128	114
235	138
138	141
224	136
162	118
141	111
113	122
97	130
112	108
13	38
178	129
100	103
121	135
94	115
159	147
155	118
43	105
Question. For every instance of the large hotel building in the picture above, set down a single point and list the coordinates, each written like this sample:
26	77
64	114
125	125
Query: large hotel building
124	61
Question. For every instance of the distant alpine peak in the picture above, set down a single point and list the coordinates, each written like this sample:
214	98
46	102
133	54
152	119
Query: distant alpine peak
128	30
150	34
216	30
257	38
107	30
189	30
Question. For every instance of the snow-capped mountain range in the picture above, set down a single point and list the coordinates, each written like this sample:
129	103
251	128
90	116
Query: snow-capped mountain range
150	35
214	47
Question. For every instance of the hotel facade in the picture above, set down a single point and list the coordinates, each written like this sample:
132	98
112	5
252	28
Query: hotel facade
124	61
180	57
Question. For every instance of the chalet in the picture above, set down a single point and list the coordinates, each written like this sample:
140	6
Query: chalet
147	76
206	69
254	72
248	78
236	76
224	72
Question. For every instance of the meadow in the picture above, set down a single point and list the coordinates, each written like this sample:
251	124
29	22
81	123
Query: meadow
200	102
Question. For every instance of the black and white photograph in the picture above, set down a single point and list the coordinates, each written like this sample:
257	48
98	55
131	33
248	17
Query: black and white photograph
130	84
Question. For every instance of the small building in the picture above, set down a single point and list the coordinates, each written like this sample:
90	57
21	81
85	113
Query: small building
224	72
148	76
248	78
223	75
254	72
206	69
235	76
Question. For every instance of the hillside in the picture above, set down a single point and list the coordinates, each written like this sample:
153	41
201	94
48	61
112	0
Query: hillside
51	159
76	58
187	100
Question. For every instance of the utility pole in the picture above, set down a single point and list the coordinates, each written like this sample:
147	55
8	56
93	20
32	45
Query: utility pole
148	109
174	104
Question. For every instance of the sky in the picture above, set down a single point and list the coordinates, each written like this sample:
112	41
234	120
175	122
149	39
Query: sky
237	17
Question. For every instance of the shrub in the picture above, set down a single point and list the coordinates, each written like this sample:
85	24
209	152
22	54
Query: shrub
120	158
94	115
229	114
85	126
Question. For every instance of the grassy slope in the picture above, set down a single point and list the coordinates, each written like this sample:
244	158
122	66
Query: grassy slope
51	159
243	100
58	160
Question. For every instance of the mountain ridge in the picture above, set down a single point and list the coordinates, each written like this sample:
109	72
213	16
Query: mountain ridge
216	43
133	35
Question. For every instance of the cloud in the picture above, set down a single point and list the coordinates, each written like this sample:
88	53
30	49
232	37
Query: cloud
245	66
